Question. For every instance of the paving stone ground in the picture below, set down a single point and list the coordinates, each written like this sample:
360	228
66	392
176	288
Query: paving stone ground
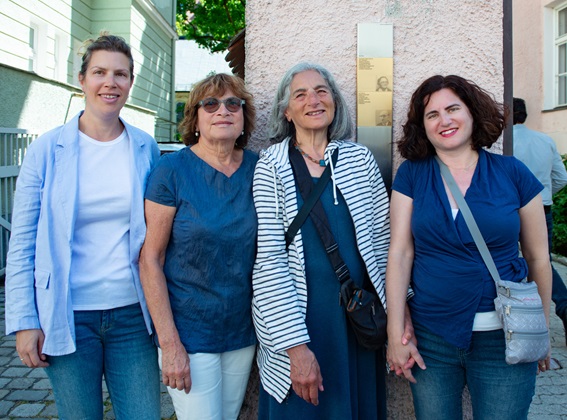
26	393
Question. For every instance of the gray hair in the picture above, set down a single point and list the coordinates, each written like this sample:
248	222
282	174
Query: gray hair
280	127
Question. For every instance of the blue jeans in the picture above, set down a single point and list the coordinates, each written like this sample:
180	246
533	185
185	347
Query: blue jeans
114	343
558	291
498	391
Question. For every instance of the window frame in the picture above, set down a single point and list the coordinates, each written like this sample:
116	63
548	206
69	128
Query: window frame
559	41
33	44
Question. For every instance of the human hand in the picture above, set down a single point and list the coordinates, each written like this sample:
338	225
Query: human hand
408	335
402	357
29	344
175	367
402	353
306	379
544	364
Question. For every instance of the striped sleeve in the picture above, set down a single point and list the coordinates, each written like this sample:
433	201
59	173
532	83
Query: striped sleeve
279	304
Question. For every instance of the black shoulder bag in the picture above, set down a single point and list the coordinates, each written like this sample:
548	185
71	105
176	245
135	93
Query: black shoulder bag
364	310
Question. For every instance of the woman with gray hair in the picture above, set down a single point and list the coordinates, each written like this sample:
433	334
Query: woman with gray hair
305	342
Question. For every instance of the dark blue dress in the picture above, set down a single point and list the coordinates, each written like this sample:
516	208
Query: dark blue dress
353	377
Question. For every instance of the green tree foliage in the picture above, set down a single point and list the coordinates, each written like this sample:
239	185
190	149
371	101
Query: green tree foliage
211	23
560	220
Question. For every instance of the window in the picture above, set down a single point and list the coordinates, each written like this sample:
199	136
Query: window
38	57
561	55
32	42
60	52
78	51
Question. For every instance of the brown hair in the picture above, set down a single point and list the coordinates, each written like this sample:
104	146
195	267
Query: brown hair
106	42
489	116
216	85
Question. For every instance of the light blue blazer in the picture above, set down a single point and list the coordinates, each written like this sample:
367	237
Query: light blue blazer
43	220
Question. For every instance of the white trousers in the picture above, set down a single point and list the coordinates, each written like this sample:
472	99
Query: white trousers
218	384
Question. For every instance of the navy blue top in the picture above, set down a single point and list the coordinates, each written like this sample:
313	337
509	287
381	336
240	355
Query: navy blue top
211	251
449	278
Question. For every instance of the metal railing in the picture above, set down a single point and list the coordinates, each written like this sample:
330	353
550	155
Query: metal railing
13	145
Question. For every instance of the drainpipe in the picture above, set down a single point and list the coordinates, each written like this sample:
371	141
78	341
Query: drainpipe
508	64
73	95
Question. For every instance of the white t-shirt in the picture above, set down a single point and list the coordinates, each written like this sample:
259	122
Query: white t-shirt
101	276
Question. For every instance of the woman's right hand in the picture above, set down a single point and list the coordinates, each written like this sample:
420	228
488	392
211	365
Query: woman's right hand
29	344
175	368
405	355
402	357
306	379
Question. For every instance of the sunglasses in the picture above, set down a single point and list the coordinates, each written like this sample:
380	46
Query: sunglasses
211	105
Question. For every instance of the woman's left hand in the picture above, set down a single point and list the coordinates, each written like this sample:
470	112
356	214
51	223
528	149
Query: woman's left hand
543	365
305	374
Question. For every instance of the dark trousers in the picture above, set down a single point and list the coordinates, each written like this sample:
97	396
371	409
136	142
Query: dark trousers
559	291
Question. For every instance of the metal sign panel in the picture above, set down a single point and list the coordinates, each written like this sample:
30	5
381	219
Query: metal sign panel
374	90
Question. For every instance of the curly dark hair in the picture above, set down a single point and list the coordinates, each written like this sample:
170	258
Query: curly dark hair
215	86
489	116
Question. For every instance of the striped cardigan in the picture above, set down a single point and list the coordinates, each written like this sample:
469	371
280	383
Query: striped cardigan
280	290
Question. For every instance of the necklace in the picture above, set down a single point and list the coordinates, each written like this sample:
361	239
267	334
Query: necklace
466	167
320	162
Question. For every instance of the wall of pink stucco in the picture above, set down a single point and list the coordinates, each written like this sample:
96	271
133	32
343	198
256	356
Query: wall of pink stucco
529	25
430	37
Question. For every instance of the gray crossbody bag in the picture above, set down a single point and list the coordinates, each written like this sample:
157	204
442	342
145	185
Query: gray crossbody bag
518	304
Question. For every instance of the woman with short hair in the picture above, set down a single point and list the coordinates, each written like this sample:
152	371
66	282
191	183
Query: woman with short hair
196	262
73	293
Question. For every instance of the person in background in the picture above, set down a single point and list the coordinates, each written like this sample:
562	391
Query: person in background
539	153
460	340
73	294
311	366
196	262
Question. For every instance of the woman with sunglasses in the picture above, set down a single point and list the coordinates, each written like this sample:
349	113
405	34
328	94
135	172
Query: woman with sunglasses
196	263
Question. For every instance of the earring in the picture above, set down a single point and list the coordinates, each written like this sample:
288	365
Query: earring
242	133
196	134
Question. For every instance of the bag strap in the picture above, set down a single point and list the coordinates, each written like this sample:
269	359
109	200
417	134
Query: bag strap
311	199
317	213
469	220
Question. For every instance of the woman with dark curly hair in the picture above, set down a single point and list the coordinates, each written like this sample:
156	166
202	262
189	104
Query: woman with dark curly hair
460	338
196	263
